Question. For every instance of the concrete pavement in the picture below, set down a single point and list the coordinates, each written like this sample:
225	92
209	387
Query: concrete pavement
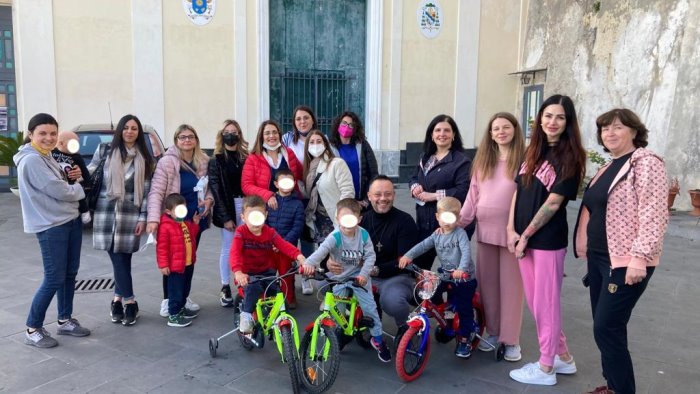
151	357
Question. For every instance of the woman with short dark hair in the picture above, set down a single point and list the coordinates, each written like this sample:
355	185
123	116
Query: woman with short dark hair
50	210
620	231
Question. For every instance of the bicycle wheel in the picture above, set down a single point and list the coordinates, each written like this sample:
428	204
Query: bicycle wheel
410	358
290	356
318	372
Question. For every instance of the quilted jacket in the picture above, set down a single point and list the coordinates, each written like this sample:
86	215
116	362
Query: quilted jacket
170	249
288	218
257	174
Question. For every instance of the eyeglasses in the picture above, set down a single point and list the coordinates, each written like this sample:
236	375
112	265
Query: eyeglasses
350	125
186	137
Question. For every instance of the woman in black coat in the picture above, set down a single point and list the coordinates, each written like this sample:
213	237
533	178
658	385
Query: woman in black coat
442	171
230	151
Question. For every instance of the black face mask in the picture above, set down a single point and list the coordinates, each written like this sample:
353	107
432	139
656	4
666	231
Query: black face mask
230	139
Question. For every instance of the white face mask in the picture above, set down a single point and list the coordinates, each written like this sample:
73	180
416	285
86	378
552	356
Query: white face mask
316	150
150	241
270	147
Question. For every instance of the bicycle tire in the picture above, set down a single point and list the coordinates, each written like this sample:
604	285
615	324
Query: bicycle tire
290	357
313	368
409	341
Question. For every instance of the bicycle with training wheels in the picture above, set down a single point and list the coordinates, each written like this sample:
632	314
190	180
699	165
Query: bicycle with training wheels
271	320
329	333
413	350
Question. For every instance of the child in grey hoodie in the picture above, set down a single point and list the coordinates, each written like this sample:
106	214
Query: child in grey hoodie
352	247
451	244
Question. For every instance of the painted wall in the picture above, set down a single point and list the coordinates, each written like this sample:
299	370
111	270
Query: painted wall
637	54
198	71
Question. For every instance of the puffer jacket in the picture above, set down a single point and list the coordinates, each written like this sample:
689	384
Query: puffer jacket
166	180
219	180
170	249
637	213
257	174
288	218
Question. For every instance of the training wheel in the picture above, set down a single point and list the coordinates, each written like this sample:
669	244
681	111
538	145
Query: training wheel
213	345
500	352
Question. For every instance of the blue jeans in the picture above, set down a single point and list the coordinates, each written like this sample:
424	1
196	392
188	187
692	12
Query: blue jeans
121	265
253	291
60	252
224	266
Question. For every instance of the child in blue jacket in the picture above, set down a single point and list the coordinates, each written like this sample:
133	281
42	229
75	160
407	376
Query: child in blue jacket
288	221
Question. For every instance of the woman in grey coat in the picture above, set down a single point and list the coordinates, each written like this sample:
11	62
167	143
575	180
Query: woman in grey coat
120	214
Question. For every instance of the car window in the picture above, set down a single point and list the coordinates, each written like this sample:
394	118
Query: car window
90	141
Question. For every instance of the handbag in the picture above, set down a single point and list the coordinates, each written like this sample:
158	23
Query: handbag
95	183
307	234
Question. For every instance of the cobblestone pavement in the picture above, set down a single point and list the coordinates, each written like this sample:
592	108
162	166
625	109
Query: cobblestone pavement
151	357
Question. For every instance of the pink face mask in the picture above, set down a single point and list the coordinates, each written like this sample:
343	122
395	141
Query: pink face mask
345	131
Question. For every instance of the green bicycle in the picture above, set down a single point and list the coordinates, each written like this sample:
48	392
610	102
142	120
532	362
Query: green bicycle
270	320
328	334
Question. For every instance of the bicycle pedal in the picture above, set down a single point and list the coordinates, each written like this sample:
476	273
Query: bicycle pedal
366	322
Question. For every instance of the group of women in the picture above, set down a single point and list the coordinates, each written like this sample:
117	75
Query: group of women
516	195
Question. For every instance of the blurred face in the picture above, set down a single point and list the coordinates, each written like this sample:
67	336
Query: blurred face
502	131
446	220
249	219
343	221
303	121
131	132
553	122
271	135
443	135
618	138
186	141
381	196
45	136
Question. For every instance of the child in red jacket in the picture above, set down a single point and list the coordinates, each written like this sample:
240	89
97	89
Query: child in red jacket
252	253
175	255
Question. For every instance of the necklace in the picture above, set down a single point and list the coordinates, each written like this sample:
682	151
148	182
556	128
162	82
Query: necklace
378	245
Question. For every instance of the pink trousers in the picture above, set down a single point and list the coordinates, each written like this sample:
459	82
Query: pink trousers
501	288
542	272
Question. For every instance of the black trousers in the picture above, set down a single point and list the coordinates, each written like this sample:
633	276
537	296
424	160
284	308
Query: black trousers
165	278
611	303
179	285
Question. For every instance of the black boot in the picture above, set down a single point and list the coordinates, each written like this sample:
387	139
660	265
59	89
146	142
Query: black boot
116	312
131	312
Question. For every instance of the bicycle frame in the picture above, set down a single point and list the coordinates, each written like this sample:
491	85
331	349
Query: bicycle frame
276	318
332	316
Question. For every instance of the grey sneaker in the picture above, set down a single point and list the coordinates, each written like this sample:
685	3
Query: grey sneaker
489	343
39	338
189	313
512	353
178	321
72	327
245	323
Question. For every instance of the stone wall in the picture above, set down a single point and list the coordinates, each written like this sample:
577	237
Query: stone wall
639	54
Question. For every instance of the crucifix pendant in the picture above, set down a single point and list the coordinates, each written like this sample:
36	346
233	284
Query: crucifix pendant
379	246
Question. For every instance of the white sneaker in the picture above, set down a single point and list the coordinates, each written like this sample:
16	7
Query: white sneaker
491	339
164	308
532	374
191	305
85	217
245	324
563	367
306	287
512	353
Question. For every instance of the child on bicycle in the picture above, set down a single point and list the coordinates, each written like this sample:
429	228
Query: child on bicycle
288	221
175	255
252	253
451	244
352	247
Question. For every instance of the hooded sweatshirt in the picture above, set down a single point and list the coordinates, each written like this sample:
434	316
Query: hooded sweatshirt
47	199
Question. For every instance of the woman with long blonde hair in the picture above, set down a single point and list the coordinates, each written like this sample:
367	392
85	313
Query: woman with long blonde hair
179	171
491	191
225	168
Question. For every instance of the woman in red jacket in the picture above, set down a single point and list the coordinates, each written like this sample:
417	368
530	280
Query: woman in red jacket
267	157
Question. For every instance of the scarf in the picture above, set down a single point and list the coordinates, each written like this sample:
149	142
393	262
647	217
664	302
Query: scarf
115	174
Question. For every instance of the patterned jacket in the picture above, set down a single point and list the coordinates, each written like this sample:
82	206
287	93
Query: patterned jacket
115	220
637	213
166	180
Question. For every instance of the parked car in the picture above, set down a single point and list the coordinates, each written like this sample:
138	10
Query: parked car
92	135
